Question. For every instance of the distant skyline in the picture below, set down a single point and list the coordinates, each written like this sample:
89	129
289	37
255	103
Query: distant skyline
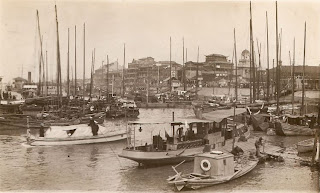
145	27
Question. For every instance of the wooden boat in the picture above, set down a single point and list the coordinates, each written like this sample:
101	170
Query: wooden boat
213	168
305	145
76	135
181	146
260	122
292	125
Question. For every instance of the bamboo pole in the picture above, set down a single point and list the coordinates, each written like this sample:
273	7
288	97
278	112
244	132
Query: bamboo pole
84	64
68	81
292	100
75	60
235	55
268	71
277	60
303	74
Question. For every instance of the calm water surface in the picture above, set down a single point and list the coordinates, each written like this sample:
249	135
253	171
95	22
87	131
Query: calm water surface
98	168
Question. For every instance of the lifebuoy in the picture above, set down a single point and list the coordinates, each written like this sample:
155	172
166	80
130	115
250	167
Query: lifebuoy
205	165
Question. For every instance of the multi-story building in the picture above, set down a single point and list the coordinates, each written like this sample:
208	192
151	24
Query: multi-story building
311	77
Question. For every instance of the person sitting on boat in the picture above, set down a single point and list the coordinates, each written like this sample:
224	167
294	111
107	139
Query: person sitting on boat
94	126
258	144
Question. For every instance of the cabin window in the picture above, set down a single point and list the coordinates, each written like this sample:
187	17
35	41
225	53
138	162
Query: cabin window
225	162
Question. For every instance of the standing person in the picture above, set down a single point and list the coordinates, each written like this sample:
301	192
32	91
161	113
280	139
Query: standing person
41	132
258	144
94	126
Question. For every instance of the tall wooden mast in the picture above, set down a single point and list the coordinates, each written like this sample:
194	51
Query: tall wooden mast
184	67
277	61
59	89
304	64
170	80
236	64
41	54
294	49
84	63
68	78
197	74
46	73
124	63
75	60
253	69
107	78
268	68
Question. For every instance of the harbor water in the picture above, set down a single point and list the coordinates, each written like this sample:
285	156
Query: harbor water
97	167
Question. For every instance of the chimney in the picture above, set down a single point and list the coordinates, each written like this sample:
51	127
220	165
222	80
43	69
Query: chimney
29	77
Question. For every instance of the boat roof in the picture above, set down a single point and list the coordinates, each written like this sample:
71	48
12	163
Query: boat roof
179	121
214	155
219	115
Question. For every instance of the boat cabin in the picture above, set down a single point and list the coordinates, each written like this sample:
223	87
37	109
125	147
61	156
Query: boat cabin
307	120
193	134
214	163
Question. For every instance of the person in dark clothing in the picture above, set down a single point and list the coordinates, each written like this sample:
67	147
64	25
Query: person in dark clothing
94	127
258	144
41	132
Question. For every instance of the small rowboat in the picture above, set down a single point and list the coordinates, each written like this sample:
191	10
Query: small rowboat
305	145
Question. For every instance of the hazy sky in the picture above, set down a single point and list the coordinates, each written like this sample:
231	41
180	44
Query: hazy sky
145	27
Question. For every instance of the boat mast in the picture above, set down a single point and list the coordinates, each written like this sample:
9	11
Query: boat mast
46	73
107	78
124	63
304	63
294	47
259	71
75	60
92	70
68	78
184	67
58	62
268	69
197	75
170	81
41	54
250	74
84	63
235	56
253	69
277	60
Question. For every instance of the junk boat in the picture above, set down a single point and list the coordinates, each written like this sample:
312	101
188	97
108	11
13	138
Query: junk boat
212	168
75	135
292	125
188	138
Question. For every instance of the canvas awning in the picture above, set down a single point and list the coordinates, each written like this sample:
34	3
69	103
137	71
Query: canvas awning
219	115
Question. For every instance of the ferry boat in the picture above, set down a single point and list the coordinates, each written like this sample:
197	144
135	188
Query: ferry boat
213	168
188	138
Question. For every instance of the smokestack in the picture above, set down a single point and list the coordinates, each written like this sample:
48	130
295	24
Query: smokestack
29	77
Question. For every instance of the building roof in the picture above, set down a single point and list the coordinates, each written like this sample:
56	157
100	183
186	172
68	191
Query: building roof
216	55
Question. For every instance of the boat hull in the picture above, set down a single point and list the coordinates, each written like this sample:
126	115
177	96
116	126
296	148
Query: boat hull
78	141
197	183
285	129
158	158
305	146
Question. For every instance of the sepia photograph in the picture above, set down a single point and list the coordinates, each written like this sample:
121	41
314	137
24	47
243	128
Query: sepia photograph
159	96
